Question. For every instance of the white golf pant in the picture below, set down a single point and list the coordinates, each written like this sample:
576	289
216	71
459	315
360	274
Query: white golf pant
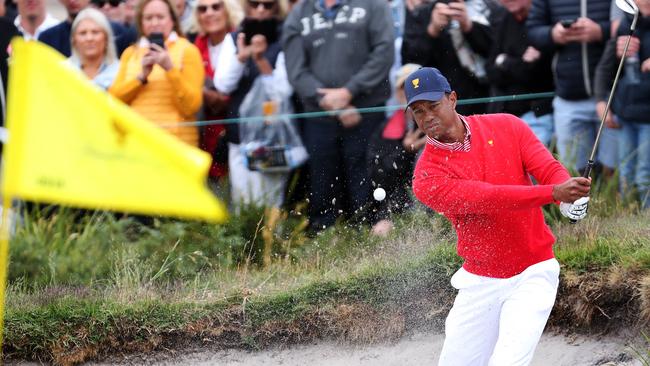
498	322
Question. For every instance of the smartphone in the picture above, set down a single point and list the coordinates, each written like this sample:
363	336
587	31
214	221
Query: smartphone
566	23
157	38
268	28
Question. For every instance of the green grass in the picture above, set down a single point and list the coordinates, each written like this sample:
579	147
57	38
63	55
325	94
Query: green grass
83	286
600	243
70	248
164	277
74	324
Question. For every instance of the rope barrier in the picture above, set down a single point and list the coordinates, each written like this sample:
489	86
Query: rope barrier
504	98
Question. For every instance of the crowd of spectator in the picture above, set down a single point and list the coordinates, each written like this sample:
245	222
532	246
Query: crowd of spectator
183	60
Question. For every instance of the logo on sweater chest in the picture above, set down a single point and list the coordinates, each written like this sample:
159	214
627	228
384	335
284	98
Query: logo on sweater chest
345	15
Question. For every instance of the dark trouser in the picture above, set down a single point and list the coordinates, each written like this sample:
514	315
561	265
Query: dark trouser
338	173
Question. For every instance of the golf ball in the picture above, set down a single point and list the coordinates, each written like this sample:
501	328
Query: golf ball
379	194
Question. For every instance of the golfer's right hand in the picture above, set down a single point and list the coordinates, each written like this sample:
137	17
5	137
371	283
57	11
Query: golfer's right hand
572	189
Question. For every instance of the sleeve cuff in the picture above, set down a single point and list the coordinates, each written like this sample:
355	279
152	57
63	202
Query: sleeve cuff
547	192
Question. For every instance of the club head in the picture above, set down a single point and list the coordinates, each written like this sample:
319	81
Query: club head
627	6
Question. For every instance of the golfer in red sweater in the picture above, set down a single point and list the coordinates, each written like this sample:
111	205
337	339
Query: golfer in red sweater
476	171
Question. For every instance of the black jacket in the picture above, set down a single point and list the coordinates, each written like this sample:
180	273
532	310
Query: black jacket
570	80
631	101
251	72
513	75
420	48
7	31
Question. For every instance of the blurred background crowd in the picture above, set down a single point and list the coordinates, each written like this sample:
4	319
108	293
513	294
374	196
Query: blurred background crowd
180	61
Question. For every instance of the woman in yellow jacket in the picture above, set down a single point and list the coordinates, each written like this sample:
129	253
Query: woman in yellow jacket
164	84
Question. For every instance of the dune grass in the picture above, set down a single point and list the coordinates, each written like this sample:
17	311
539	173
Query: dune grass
86	286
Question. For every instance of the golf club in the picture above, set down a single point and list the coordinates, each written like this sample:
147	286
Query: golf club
629	7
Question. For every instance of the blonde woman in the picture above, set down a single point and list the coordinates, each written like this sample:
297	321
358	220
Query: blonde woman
162	82
93	48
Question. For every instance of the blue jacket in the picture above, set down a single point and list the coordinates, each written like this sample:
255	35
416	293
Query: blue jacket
571	82
58	37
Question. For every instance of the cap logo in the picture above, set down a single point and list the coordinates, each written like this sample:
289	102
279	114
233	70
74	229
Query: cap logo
416	83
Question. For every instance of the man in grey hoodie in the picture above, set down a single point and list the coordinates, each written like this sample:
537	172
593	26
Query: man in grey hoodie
338	56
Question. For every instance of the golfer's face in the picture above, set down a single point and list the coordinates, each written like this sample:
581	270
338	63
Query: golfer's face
436	119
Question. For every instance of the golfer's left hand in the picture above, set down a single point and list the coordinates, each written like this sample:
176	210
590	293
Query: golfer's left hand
575	211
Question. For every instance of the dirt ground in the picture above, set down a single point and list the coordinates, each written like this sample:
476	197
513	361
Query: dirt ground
417	349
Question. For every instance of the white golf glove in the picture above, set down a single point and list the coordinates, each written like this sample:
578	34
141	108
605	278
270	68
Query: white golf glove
576	210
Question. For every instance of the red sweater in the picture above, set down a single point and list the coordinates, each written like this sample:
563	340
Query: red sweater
488	196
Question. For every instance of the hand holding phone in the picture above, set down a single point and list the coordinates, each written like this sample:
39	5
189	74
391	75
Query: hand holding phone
267	27
563	31
157	51
567	23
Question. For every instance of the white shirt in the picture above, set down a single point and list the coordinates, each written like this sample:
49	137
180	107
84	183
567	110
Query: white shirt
48	22
228	69
213	53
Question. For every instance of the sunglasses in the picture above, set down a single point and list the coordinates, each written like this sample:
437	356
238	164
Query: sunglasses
268	5
101	3
214	6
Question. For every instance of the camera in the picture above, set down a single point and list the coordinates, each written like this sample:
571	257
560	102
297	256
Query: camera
266	158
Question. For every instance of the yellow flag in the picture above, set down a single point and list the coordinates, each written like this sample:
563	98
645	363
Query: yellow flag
71	143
